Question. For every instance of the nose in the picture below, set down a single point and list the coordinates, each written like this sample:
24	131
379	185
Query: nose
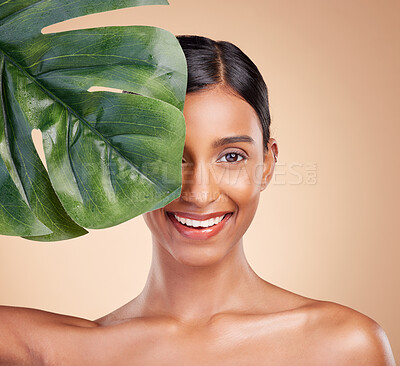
199	185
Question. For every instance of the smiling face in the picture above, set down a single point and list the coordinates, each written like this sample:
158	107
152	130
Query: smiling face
224	169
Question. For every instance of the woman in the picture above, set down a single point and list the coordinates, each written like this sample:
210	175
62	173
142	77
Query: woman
202	303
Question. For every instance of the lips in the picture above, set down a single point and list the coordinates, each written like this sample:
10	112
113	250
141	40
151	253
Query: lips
199	233
198	217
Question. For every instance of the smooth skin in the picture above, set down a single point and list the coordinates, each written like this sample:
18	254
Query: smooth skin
202	304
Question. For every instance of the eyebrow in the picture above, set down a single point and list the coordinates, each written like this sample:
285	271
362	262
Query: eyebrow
232	139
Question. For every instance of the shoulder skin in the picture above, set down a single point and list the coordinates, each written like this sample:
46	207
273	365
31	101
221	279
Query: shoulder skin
346	337
24	334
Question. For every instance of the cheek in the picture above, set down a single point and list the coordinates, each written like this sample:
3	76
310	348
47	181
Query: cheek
245	179
241	189
153	219
242	186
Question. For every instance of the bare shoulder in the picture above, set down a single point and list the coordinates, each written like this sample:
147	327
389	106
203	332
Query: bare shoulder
26	316
329	333
347	337
24	333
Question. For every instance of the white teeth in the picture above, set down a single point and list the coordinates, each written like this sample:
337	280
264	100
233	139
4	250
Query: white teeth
197	223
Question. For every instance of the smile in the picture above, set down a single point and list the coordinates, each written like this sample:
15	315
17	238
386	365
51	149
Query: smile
199	229
196	223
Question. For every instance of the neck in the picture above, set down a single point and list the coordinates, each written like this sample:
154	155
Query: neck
194	294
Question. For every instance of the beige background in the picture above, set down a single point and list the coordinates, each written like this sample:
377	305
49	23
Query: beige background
328	225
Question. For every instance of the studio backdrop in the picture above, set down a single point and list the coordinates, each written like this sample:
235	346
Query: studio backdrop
327	226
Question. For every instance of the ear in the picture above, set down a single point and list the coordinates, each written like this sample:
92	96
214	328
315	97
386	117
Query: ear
270	158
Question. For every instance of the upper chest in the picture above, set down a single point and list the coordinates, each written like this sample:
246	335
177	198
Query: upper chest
229	341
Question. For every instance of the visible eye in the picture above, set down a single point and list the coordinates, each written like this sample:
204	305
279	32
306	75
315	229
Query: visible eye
233	156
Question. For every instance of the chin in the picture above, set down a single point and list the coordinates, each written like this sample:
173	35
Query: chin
198	256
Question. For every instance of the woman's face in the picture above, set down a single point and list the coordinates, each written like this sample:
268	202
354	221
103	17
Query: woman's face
224	169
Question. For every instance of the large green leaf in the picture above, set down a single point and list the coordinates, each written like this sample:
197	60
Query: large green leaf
16	217
110	156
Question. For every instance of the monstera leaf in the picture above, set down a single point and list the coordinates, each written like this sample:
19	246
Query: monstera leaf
110	156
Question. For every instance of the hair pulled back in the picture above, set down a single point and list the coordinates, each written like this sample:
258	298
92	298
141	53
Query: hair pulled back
212	62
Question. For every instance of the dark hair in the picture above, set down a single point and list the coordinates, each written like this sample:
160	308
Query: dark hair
212	62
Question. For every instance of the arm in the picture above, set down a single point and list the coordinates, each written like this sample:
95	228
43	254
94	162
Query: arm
371	345
15	330
33	337
355	339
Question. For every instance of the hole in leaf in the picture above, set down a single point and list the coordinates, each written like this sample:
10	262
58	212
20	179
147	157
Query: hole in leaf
66	25
112	90
104	88
81	22
38	143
